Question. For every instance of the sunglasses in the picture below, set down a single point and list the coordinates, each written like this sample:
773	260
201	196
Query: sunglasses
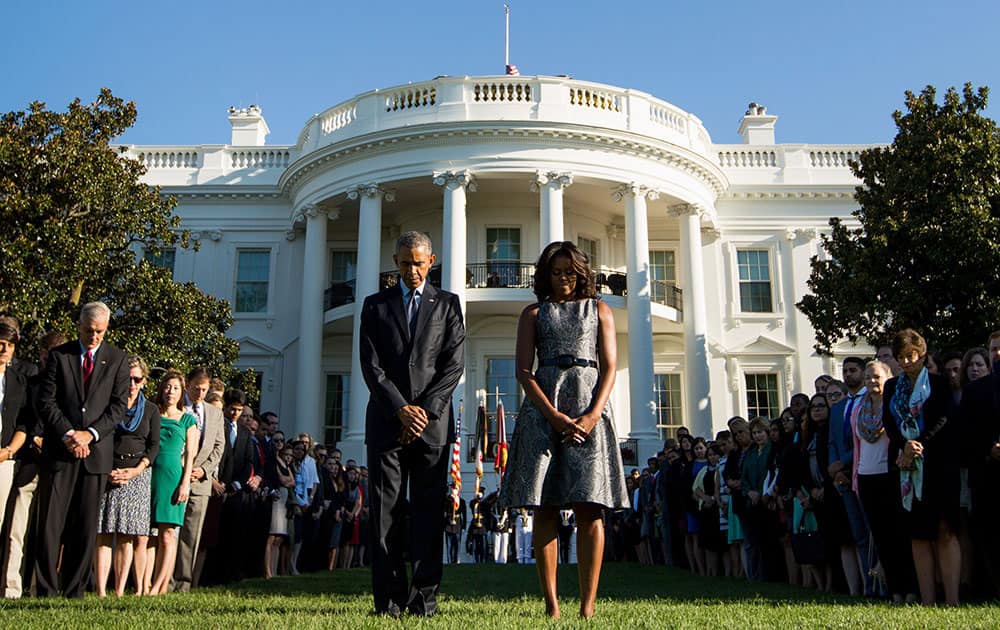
137	379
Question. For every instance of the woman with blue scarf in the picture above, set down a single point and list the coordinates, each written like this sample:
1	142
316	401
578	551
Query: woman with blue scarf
924	445
125	505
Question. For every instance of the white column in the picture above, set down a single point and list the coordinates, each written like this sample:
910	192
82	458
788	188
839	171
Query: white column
698	415
550	187
642	401
365	284
454	248
309	412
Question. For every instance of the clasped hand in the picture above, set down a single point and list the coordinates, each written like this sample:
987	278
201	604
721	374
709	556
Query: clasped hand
573	430
78	443
414	420
911	451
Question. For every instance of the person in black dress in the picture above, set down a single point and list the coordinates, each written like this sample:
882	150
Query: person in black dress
924	446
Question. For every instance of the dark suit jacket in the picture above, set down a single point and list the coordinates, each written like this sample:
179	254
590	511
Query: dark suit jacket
237	460
17	412
62	405
980	415
422	371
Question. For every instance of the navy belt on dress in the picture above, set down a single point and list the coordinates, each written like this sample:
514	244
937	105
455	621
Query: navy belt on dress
566	361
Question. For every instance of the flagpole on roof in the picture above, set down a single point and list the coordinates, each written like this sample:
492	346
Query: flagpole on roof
506	37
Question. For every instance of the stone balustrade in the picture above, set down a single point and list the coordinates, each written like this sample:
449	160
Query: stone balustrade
503	100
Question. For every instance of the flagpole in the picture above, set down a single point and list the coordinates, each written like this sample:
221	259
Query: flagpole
506	37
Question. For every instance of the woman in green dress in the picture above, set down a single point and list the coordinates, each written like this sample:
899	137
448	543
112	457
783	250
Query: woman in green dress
171	482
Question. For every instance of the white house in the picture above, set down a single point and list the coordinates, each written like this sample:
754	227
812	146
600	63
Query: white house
702	249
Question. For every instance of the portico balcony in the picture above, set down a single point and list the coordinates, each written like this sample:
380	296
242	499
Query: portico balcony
510	275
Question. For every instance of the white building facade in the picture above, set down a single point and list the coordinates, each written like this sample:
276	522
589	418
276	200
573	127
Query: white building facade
701	249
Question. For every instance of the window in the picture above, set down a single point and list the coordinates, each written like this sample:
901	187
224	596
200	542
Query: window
755	280
335	410
589	247
669	414
252	270
662	275
762	395
503	257
343	266
163	258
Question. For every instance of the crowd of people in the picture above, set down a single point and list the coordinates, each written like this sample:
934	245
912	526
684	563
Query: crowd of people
880	485
190	487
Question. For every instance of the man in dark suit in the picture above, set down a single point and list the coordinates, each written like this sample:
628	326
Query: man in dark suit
980	418
412	357
83	397
237	474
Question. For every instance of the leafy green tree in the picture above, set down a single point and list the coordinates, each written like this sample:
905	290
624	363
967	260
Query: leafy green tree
75	215
927	252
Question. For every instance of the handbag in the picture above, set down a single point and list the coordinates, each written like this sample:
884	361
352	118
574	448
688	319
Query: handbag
807	541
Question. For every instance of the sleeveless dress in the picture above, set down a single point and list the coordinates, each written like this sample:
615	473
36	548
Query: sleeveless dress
168	467
542	471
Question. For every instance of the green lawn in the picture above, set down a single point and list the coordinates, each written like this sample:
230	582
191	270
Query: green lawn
487	597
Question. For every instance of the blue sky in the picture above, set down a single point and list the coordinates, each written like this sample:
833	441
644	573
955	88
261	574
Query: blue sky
832	71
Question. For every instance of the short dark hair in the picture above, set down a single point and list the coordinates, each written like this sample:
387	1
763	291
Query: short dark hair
199	374
234	397
723	435
581	267
858	361
951	355
9	333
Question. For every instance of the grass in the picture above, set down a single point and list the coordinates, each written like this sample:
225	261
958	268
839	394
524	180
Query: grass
480	597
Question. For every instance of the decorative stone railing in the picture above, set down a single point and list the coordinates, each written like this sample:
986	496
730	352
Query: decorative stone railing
504	99
166	158
834	157
259	158
789	164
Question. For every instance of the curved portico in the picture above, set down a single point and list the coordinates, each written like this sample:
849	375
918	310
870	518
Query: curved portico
539	157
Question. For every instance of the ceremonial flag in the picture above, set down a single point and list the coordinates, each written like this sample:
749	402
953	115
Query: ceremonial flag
512	70
481	437
456	463
500	465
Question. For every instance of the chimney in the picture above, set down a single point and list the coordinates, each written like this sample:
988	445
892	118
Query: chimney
249	127
757	127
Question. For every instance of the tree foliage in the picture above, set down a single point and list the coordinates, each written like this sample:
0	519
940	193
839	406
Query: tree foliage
75	216
927	252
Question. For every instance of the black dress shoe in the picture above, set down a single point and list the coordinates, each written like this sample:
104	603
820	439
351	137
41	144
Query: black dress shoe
391	611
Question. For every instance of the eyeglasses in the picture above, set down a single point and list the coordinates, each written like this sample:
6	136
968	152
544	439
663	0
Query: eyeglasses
282	440
137	379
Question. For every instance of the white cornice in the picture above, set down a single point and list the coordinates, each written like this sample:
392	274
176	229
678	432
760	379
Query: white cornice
700	166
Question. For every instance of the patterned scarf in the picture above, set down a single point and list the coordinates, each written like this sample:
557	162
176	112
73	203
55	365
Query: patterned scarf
870	426
908	408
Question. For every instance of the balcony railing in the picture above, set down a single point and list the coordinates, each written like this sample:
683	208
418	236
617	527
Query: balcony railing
500	275
509	275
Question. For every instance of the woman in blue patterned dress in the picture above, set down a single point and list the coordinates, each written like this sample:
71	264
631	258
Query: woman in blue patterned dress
564	452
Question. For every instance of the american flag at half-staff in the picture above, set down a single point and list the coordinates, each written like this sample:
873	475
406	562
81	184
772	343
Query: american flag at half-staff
456	462
500	464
